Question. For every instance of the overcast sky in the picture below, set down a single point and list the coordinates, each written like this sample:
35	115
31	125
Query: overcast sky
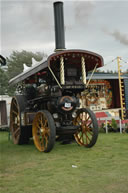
98	26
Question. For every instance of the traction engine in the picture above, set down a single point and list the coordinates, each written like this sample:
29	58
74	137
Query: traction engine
48	104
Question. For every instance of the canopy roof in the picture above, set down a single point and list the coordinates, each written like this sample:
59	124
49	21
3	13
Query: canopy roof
91	60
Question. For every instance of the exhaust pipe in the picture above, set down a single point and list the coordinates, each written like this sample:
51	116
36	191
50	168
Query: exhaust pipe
59	26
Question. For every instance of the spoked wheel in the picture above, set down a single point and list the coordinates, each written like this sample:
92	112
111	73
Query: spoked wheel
87	132
44	131
19	132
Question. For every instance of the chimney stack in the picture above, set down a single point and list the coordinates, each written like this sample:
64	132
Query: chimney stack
59	26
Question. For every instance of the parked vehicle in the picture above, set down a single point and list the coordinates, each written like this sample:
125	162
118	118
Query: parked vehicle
48	104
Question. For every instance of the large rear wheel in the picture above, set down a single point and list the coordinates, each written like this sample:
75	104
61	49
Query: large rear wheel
19	133
87	132
44	131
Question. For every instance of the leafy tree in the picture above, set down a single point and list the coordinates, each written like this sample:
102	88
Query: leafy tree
17	59
3	82
15	66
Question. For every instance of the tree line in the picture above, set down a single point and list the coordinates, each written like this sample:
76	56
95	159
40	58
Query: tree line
15	66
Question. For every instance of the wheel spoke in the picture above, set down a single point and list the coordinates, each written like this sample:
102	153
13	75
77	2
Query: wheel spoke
14	112
46	140
82	138
14	103
89	131
87	117
42	146
89	123
87	138
45	123
16	132
78	120
47	131
38	126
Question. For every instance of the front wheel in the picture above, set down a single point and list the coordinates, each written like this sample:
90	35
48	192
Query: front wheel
87	132
43	130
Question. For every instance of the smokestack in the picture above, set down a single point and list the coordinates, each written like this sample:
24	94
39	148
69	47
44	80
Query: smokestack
59	26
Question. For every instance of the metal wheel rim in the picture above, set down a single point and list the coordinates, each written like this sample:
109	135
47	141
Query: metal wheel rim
15	121
41	131
84	134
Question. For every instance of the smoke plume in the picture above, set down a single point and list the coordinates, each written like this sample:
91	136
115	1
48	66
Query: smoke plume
122	38
83	10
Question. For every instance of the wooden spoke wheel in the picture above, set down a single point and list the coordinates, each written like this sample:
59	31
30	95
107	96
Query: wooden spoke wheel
87	132
44	131
19	133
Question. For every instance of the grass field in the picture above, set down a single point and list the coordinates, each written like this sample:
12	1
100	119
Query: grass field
101	169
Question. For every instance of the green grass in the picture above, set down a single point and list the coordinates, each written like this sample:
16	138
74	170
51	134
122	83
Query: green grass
101	169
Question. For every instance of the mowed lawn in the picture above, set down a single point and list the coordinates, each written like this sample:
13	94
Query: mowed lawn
101	169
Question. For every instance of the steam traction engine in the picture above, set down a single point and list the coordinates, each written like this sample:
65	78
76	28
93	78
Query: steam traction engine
48	105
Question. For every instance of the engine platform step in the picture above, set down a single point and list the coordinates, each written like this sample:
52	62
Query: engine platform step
67	129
